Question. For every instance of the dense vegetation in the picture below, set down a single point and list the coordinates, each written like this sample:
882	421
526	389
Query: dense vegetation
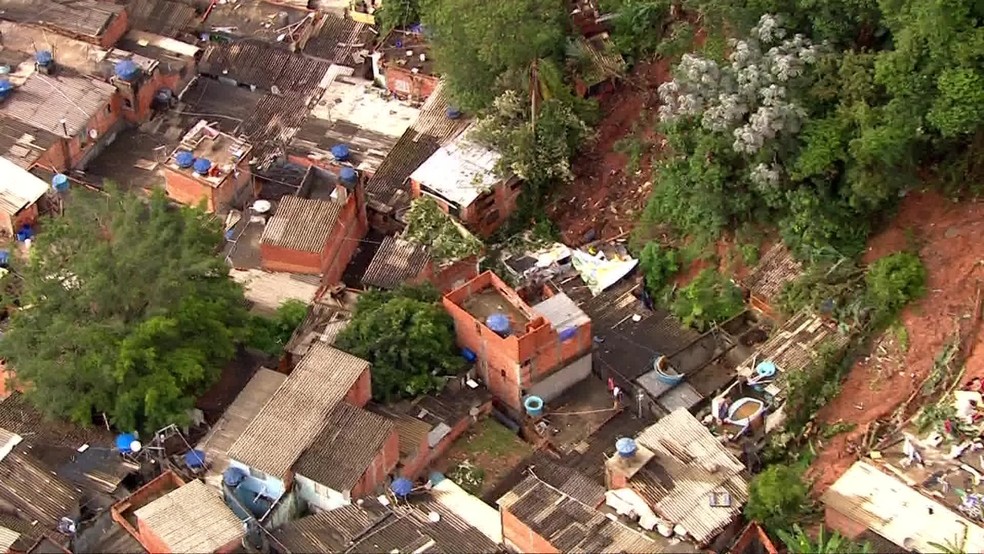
408	338
128	312
271	334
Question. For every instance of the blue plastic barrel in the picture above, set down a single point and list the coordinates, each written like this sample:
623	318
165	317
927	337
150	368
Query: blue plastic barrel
765	369
626	447
233	476
4	258
124	442
468	355
184	159
533	406
499	323
568	333
25	233
402	487
340	152
60	182
194	458
201	166
44	57
348	175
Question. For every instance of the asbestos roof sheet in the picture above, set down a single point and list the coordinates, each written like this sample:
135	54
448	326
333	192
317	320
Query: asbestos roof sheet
396	262
298	411
83	17
164	17
460	171
898	512
44	101
692	465
19	188
274	122
302	224
569	481
562	312
23	144
330	531
7	538
34	490
258	19
340	40
18	415
191	518
345	448
432	129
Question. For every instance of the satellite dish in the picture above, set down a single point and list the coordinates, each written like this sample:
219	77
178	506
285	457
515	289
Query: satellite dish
135	446
93	134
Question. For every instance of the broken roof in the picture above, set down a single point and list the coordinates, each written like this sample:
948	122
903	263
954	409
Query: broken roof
896	511
433	128
267	291
396	262
570	525
19	416
256	63
191	518
297	412
301	224
58	103
325	319
689	467
353	112
345	448
31	488
776	268
460	171
19	187
340	40
82	17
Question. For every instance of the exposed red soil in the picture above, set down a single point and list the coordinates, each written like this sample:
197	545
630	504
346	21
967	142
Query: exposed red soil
604	197
947	235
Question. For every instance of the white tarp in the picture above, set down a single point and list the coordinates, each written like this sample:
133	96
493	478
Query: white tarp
598	272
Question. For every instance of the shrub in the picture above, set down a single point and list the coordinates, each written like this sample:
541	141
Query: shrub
707	300
778	497
270	335
894	280
658	265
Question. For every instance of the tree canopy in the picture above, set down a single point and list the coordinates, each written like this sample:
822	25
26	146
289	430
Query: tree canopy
128	312
407	337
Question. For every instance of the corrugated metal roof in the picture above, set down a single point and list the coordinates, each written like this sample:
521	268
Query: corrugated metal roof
570	525
896	511
44	101
274	122
19	187
329	531
340	40
191	518
460	171
695	465
562	312
297	412
301	224
396	262
776	268
21	417
345	448
432	130
83	17
23	144
569	481
7	538
34	490
164	17
411	430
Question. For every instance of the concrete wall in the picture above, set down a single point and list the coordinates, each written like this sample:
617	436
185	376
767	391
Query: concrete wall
321	497
562	379
521	538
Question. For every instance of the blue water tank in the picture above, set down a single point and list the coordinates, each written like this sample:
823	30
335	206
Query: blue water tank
436	477
25	233
402	487
125	441
184	159
533	406
452	112
194	458
499	323
127	70
44	57
4	258
468	355
6	87
233	476
201	166
766	369
626	447
348	176
59	182
340	152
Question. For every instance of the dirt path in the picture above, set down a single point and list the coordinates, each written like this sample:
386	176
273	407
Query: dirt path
606	198
948	236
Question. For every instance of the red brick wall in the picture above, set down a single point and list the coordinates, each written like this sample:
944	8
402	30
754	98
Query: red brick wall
426	455
520	536
150	541
345	238
454	275
77	146
361	392
276	258
185	189
492	209
115	30
384	462
399	81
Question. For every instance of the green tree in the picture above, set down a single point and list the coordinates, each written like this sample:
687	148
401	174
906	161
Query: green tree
708	299
128	311
397	13
798	542
475	42
895	280
447	240
407	337
270	334
658	264
777	497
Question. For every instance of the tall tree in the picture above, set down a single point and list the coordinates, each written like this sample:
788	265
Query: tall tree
476	41
128	312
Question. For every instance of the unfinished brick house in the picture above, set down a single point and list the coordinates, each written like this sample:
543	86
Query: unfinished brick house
520	350
209	167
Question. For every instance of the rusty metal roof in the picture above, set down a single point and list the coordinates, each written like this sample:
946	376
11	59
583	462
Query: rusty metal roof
689	467
191	518
345	448
396	262
297	412
340	40
301	224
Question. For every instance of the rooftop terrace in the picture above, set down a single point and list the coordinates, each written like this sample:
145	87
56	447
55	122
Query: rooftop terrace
206	142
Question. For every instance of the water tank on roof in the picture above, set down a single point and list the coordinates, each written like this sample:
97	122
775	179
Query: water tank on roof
452	112
194	459
6	87
499	323
184	159
402	487
340	152
201	166
60	182
44	57
233	476
127	70
626	447
348	176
